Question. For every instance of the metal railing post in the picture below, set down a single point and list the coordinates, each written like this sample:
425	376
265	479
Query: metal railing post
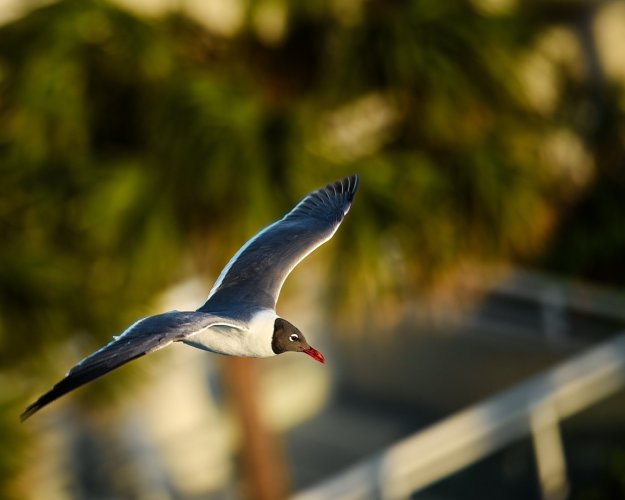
549	452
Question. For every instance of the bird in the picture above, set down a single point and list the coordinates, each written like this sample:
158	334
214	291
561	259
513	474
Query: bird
239	315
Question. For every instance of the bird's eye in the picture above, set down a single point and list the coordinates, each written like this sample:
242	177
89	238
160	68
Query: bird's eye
293	337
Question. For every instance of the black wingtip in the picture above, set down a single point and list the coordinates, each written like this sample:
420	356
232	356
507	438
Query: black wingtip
63	387
347	185
352	184
28	413
35	407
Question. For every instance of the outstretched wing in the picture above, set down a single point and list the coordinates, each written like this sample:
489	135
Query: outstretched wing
254	276
145	336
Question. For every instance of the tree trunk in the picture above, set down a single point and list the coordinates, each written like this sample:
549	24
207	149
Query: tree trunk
262	463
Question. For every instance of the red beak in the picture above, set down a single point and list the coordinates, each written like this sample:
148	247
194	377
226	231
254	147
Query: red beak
315	354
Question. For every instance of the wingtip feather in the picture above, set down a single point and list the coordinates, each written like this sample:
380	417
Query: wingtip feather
36	406
27	413
347	185
352	184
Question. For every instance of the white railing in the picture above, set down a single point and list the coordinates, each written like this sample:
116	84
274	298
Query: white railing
555	301
534	407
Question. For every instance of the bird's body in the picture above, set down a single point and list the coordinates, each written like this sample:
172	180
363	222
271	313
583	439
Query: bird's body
253	340
238	317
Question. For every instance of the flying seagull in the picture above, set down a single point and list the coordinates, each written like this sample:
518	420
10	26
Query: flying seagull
238	317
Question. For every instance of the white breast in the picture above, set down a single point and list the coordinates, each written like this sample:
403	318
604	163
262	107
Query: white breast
255	342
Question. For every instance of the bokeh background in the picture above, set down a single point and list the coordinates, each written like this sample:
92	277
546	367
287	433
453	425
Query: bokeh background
142	142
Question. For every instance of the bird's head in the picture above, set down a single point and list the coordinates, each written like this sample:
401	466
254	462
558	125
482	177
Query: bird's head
286	337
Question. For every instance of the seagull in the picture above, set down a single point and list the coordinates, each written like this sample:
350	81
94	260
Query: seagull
239	316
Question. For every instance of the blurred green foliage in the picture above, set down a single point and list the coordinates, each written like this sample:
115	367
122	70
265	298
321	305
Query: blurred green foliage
136	152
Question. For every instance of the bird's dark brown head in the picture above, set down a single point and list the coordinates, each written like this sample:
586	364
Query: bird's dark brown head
286	337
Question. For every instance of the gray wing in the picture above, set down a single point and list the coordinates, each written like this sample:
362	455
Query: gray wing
145	336
254	276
